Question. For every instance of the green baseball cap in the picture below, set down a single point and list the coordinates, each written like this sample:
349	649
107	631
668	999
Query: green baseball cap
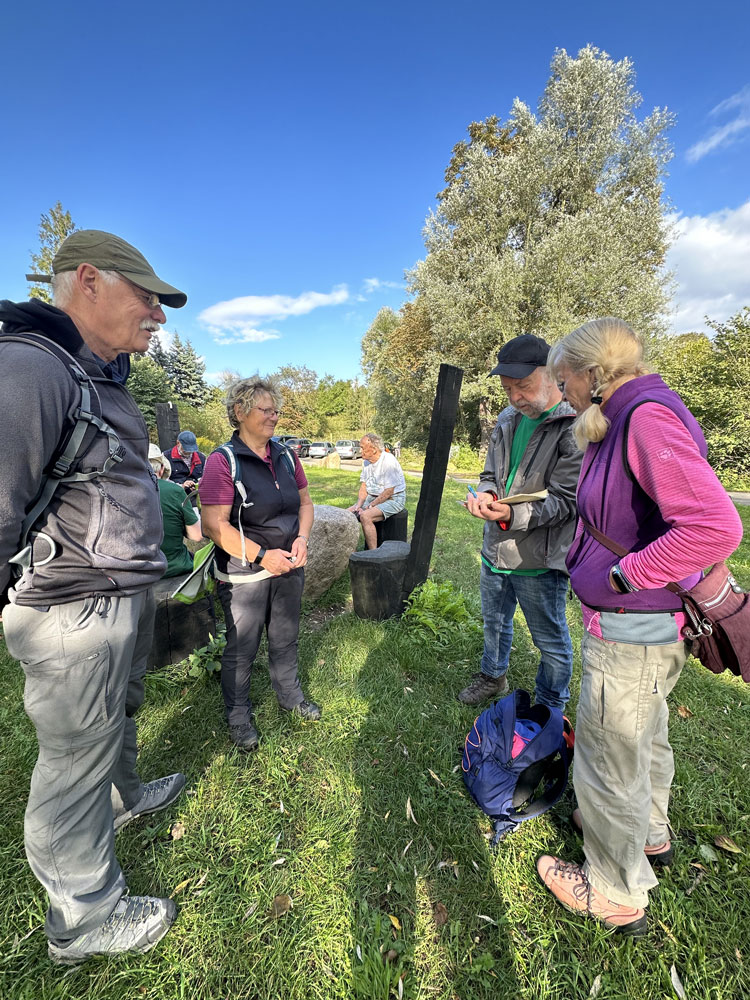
110	253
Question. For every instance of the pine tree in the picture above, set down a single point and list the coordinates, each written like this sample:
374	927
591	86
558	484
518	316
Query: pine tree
185	371
148	385
54	227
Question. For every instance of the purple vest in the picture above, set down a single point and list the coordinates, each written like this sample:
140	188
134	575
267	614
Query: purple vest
611	500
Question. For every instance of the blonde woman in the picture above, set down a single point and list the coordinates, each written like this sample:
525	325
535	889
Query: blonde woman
645	485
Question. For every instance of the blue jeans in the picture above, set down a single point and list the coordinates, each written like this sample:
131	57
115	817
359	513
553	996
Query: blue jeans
542	600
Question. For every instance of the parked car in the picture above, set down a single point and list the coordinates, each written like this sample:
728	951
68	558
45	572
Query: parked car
319	449
283	438
349	449
301	446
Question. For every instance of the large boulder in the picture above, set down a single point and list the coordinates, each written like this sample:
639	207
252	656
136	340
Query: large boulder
332	461
335	533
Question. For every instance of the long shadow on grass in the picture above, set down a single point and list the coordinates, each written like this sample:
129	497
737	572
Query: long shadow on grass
426	907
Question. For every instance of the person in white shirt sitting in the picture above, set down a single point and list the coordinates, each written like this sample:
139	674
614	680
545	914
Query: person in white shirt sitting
382	489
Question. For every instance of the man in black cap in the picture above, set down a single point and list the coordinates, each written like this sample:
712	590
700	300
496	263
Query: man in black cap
80	522
531	451
186	461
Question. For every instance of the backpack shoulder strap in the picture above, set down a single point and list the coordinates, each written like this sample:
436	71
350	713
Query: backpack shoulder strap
288	457
87	421
227	450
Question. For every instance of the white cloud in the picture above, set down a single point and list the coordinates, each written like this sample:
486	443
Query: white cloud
724	135
239	321
711	260
371	285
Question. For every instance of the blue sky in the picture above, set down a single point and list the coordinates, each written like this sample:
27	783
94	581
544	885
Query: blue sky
278	162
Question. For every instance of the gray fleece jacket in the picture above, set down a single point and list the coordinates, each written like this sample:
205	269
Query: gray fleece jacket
540	532
106	531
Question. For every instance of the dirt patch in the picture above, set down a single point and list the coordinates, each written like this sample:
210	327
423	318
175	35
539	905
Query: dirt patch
319	617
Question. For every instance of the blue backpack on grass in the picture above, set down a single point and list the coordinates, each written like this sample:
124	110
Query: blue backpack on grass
515	761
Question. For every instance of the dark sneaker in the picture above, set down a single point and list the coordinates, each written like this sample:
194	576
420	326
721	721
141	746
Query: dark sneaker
569	885
483	688
137	923
156	795
245	736
305	710
658	855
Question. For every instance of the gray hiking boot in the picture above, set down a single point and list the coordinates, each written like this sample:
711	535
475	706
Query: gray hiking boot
156	795
137	923
483	688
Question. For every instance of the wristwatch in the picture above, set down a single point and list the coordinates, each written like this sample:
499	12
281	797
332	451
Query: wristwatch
622	584
260	556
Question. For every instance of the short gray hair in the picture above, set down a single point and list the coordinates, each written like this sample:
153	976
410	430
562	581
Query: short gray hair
246	392
63	285
375	440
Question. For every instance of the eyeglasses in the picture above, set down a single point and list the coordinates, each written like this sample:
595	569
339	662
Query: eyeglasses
150	299
268	412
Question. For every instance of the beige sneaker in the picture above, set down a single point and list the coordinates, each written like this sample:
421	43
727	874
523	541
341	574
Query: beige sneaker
568	884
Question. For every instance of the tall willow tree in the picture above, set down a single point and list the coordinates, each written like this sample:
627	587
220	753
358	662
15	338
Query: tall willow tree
548	219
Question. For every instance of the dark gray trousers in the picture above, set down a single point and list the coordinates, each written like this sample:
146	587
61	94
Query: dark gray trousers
273	604
84	664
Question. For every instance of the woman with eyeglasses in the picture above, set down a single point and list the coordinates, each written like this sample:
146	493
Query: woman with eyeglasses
651	512
256	508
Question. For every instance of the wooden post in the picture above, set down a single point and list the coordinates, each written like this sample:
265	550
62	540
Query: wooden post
443	421
167	425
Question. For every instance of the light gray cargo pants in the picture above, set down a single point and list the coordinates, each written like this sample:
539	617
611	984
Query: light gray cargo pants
84	664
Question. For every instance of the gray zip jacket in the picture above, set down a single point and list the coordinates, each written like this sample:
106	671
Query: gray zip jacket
106	531
540	532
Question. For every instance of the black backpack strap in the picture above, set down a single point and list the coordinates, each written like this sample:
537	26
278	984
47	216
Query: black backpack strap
87	422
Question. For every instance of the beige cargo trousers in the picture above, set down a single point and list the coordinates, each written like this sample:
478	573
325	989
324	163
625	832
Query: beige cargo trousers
624	766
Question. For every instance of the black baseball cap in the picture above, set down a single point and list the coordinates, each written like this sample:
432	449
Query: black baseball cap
520	356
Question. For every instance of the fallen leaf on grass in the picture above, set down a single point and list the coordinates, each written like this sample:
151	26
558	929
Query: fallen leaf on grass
596	986
677	983
667	931
359	953
178	888
400	987
403	853
408	690
738	955
487	920
727	844
440	914
250	910
278	861
410	811
178	831
281	806
708	853
280	905
435	777
395	921
387	815
684	711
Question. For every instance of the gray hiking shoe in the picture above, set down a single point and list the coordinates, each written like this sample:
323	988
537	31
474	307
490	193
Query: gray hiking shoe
482	688
156	795
137	923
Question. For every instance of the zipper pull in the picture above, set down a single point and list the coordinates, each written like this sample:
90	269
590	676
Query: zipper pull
276	484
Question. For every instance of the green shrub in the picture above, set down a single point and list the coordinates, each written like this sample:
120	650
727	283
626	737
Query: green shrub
436	612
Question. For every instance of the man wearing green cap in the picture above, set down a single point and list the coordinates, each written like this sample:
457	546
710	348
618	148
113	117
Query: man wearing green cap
85	555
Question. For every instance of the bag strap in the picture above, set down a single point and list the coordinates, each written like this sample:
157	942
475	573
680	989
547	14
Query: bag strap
620	550
87	424
227	449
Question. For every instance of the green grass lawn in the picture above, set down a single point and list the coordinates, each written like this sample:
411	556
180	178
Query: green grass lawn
380	903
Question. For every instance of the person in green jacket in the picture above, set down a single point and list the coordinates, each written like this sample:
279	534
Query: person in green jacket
179	517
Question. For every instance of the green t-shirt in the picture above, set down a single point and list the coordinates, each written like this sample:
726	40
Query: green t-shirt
177	512
522	436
